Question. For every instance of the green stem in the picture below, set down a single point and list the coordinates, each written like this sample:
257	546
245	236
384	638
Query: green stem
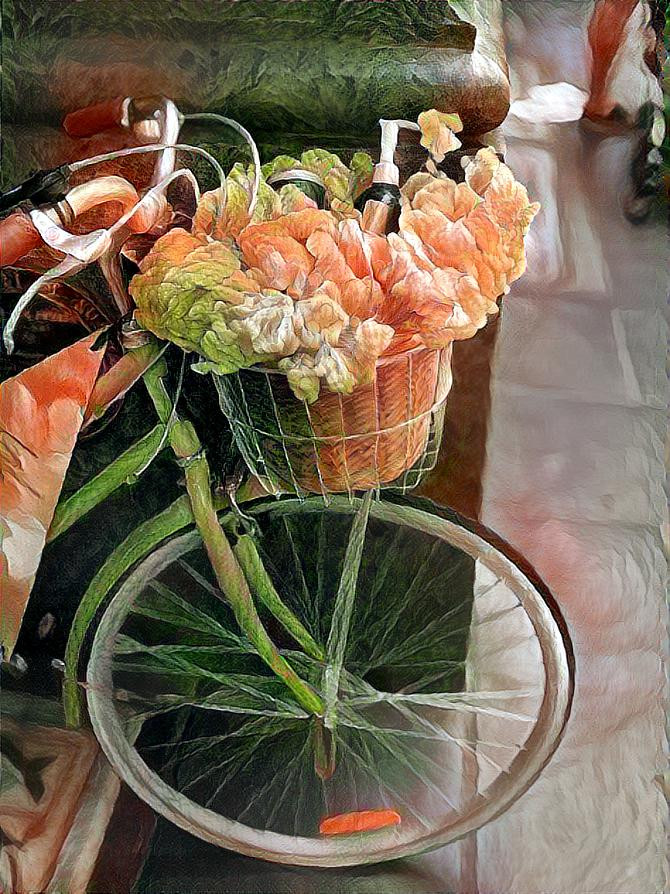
228	572
153	381
120	378
115	475
186	445
199	505
261	584
324	747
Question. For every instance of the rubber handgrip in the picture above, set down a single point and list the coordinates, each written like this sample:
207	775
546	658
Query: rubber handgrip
18	237
94	119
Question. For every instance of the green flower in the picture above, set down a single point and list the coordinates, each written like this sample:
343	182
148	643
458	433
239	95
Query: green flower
185	292
343	184
218	220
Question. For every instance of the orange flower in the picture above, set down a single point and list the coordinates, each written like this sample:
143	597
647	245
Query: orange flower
221	219
435	305
477	227
428	193
344	257
454	244
310	290
507	203
438	132
276	249
480	170
293	199
309	250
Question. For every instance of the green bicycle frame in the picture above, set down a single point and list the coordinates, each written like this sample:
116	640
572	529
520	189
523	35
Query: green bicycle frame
198	507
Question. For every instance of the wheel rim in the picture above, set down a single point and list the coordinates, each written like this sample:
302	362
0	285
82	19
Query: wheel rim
493	782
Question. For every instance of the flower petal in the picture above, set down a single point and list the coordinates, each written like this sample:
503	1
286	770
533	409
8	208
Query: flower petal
438	132
294	199
219	219
41	412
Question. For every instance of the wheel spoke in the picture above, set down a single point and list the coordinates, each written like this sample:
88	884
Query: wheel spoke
281	780
440	677
303	589
126	645
343	611
468	702
162	604
391	619
368	765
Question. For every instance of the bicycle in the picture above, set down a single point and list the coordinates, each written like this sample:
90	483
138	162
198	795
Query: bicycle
410	675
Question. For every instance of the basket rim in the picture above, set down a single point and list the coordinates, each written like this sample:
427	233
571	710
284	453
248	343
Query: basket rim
384	360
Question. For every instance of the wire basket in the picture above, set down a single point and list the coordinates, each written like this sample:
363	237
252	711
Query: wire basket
383	435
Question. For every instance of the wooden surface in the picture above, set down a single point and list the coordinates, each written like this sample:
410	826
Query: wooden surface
456	480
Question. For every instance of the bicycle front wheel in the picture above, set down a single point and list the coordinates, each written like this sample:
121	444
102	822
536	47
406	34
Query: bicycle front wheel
455	687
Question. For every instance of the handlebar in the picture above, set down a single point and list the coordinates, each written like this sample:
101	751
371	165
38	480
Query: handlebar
152	119
94	119
108	189
18	237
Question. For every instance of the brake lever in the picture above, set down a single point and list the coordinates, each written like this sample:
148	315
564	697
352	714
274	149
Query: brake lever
46	187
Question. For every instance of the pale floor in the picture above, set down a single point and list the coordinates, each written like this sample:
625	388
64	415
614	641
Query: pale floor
574	479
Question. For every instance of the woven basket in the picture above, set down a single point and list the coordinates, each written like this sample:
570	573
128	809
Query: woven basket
383	434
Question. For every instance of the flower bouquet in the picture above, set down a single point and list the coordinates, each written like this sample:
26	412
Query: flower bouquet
331	341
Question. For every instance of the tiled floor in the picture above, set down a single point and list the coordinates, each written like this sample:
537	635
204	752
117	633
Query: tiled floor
574	479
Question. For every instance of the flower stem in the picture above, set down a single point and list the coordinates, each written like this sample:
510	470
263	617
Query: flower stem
120	378
324	747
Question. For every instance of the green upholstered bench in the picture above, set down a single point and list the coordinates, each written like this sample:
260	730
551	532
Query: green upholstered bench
295	72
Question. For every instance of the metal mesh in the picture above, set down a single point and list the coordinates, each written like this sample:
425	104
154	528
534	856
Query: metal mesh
384	435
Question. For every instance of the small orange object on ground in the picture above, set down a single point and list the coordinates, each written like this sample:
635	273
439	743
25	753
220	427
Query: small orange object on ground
358	821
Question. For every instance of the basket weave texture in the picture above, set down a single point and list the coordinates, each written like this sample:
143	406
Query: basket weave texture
368	439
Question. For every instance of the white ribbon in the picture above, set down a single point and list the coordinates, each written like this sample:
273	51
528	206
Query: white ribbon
85	248
80	251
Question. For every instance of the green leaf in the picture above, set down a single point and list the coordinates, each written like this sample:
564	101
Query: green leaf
115	475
